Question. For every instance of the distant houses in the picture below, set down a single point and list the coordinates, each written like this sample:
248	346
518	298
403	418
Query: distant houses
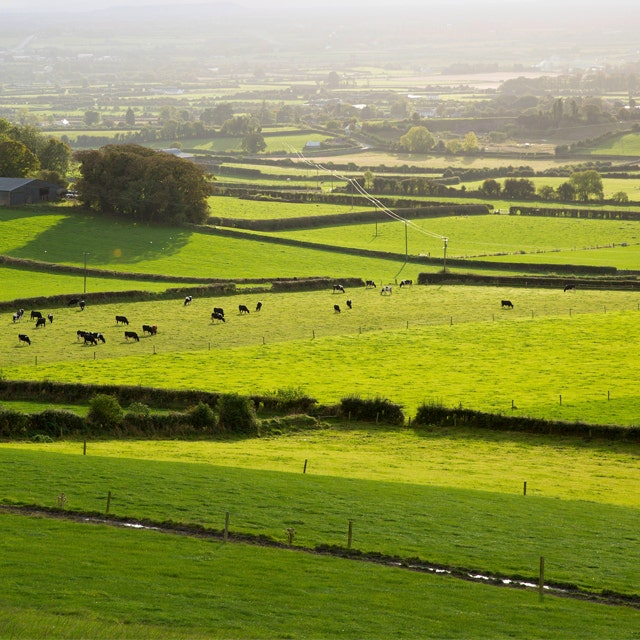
17	191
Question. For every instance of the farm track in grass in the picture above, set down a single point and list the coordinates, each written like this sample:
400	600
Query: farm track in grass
453	345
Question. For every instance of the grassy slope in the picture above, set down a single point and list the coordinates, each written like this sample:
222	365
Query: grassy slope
171	587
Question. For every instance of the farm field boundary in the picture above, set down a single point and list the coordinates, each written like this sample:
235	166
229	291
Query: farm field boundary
565	212
411	564
551	282
426	260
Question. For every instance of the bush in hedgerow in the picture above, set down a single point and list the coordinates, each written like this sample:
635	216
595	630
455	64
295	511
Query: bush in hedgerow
237	414
105	411
202	417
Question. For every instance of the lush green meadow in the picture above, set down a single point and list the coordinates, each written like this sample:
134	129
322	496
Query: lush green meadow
479	236
449	344
173	587
63	237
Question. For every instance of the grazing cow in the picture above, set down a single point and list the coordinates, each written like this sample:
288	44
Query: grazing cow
121	319
80	334
50	318
217	316
151	329
569	287
24	338
18	315
259	306
73	302
406	283
82	304
188	300
41	322
370	284
36	314
338	287
90	338
507	304
243	309
131	334
99	336
349	303
219	310
387	290
336	308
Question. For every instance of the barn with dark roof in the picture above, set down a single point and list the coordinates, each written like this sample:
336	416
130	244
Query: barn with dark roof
16	191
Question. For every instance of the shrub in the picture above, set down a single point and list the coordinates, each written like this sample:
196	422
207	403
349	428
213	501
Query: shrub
375	409
431	412
13	423
105	411
55	422
287	399
201	416
138	409
237	414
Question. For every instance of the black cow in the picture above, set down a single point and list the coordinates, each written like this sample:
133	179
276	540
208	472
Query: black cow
507	304
569	287
131	334
36	315
349	303
82	304
219	310
80	334
406	283
217	316
151	329
338	287
50	318
336	308
243	308
370	284
121	319
24	338
73	302
41	322
188	300
259	306
90	338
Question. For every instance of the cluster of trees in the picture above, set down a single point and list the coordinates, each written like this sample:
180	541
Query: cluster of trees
419	139
581	185
142	184
26	153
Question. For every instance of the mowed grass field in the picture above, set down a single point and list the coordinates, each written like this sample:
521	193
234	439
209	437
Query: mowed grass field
454	345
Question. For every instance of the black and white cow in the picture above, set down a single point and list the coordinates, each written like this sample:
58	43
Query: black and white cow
338	288
387	290
336	308
217	316
24	338
350	304
188	300
406	283
370	284
50	318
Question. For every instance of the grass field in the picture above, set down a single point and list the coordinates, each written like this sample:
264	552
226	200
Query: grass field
172	587
450	344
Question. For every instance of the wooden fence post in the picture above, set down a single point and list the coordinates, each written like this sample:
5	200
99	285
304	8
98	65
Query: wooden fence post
226	526
108	502
350	535
305	466
541	582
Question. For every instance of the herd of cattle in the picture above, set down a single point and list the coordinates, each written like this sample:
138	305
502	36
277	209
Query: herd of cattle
218	315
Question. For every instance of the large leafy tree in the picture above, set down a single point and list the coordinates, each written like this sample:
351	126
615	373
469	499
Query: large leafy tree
142	184
16	161
417	140
587	184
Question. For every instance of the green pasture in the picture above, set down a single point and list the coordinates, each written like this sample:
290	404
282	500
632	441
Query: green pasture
227	207
177	588
24	283
63	237
625	145
446	526
452	344
480	236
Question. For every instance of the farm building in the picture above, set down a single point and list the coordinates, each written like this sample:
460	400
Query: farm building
15	191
